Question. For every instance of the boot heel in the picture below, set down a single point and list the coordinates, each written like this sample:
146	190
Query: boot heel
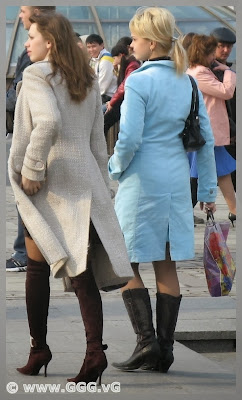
99	379
232	218
46	365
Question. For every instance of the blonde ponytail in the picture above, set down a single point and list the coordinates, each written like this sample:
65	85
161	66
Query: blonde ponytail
179	56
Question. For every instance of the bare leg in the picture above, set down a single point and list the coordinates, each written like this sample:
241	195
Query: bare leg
32	250
226	185
166	276
136	282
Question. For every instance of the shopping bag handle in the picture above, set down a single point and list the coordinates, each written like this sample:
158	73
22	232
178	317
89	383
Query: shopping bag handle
210	216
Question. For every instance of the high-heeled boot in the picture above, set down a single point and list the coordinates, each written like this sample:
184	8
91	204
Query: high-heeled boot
232	218
167	309
147	351
37	304
90	302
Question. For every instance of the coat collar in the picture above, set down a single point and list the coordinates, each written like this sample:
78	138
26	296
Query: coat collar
160	64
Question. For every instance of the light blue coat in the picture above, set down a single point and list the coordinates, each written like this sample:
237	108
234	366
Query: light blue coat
153	202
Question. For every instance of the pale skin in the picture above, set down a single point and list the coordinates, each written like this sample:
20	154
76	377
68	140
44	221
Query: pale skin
165	270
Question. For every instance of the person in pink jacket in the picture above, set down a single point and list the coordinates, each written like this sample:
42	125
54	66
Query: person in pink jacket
201	54
126	63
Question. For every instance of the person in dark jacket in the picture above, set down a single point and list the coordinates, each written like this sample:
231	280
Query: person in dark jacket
23	62
126	64
18	261
226	39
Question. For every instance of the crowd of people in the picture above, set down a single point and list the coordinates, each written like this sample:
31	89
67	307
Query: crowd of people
65	100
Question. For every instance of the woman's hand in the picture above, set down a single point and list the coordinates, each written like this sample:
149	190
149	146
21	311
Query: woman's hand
220	66
207	207
30	187
108	106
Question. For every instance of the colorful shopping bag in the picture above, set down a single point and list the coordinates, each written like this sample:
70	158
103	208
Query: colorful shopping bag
218	263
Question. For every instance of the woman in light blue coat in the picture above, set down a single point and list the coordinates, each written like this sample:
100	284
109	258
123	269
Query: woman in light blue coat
153	202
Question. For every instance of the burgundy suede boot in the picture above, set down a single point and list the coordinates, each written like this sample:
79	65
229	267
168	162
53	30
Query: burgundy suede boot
37	303
90	302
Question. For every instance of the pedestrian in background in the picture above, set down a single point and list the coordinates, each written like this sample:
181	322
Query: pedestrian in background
102	63
201	54
58	172
153	202
126	64
226	39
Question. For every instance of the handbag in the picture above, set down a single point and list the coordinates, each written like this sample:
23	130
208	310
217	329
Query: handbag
191	135
218	263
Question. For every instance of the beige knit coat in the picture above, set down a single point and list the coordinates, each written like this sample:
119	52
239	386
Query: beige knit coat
62	144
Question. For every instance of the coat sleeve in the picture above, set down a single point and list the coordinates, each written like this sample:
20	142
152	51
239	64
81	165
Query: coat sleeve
207	176
209	84
46	122
97	141
131	130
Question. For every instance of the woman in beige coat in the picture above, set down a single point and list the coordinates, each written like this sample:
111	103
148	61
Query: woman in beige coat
58	172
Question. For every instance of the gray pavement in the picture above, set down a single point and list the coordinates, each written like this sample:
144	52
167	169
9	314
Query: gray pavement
202	319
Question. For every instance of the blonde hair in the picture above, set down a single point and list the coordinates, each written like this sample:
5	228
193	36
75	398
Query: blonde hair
158	24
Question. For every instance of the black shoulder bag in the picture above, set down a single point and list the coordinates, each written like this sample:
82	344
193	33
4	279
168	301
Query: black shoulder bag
191	136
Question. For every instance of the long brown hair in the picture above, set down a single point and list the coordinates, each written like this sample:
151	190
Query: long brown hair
65	56
43	9
201	46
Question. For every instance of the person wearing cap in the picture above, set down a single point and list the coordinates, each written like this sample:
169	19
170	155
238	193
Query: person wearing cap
226	39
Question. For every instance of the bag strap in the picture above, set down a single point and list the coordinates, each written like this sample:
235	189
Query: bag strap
195	100
210	216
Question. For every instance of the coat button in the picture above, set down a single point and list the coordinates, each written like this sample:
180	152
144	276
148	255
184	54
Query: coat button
211	191
39	164
18	168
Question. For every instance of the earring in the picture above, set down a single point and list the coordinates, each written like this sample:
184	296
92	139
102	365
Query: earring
151	51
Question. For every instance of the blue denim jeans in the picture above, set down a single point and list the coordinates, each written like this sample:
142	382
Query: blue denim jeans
20	253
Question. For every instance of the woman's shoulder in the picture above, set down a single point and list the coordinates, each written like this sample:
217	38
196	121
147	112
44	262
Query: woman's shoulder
40	68
198	69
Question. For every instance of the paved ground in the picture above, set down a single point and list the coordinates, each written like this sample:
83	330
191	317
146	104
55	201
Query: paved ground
201	317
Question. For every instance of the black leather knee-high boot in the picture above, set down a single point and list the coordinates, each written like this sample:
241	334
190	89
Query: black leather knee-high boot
167	309
137	302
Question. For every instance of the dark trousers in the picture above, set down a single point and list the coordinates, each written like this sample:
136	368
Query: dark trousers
105	98
20	253
111	117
